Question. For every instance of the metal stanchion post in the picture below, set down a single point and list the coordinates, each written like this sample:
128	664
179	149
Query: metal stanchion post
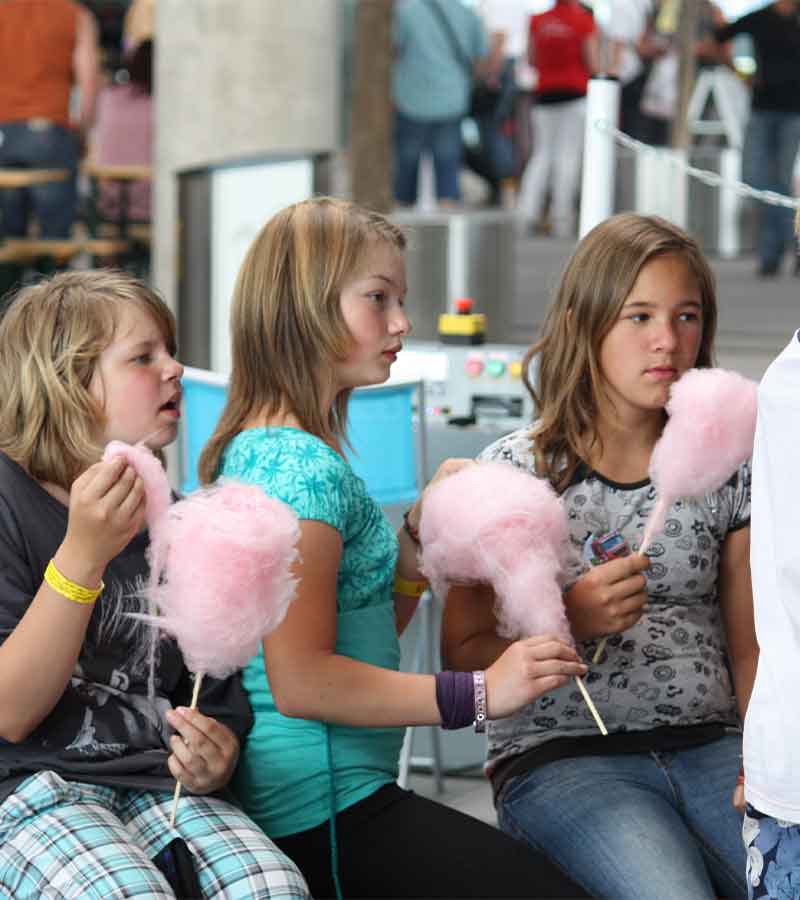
599	153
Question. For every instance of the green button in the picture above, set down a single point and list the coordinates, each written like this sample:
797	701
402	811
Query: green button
495	368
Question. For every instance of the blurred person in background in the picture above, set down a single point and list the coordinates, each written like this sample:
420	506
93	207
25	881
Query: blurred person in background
563	46
47	47
123	135
773	130
439	46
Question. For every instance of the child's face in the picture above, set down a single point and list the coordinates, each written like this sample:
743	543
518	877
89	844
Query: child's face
137	382
656	337
372	308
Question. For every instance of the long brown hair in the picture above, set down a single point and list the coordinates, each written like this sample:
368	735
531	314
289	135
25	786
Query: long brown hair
51	338
592	290
287	328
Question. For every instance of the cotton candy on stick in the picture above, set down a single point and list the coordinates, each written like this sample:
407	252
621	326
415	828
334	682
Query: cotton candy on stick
492	523
220	572
709	434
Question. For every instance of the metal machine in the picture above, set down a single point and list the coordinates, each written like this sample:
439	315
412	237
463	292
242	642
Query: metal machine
473	394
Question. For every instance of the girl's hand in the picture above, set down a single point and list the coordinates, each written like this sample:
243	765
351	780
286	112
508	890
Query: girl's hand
204	751
447	468
528	669
737	799
106	510
609	598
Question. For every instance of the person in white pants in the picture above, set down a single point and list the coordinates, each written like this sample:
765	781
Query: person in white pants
562	45
556	163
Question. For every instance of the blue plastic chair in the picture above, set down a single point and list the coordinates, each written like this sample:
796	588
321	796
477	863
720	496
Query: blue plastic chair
388	446
204	396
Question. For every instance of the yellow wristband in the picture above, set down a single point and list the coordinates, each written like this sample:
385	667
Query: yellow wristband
69	589
408	588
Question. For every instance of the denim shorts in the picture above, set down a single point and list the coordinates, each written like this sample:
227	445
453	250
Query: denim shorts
773	856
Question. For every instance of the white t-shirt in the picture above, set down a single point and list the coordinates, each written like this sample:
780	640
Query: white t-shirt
625	21
772	725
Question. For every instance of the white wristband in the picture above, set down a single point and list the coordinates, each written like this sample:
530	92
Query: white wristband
479	680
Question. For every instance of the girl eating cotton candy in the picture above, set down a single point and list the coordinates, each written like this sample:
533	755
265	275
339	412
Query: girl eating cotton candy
89	755
646	811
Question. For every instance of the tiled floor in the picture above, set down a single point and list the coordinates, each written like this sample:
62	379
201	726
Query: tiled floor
468	791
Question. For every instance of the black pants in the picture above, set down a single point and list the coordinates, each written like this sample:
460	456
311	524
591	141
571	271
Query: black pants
396	844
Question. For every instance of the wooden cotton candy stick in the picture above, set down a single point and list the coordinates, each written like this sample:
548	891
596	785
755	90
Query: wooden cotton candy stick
592	708
195	693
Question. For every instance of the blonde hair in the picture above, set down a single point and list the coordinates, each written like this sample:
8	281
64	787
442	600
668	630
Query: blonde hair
51	338
287	328
592	290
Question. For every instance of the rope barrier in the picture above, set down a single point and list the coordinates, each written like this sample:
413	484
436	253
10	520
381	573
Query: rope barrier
710	178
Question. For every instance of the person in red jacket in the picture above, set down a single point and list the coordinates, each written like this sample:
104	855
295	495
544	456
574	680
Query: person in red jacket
563	47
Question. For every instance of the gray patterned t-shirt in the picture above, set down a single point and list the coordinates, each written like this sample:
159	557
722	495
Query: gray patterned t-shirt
671	667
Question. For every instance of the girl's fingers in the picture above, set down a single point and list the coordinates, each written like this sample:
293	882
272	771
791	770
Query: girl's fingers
192	761
559	667
120	489
98	479
633	585
630	605
135	498
548	646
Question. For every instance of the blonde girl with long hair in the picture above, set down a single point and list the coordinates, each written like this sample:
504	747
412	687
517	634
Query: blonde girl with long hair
646	811
318	311
88	760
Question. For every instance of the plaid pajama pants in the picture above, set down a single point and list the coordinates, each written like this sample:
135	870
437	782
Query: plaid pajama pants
61	840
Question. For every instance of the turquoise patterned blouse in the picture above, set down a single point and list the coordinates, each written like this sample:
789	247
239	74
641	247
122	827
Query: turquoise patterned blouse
291	769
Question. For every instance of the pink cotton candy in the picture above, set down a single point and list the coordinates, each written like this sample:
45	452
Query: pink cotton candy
156	486
709	434
493	523
222	573
220	565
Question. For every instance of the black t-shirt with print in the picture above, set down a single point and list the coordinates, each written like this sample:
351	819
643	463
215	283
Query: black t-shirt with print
104	729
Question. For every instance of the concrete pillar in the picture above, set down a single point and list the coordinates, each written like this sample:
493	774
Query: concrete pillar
235	80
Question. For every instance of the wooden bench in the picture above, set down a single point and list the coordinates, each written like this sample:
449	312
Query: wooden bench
15	178
23	251
118	173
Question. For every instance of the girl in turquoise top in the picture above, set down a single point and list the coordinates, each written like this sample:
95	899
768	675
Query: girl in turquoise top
318	311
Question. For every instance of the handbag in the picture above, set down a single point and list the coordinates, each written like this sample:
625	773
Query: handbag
484	99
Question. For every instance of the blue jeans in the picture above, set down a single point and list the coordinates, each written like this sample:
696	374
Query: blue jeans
39	145
636	826
770	148
442	139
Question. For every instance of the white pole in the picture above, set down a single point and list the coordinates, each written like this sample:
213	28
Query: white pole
730	168
599	152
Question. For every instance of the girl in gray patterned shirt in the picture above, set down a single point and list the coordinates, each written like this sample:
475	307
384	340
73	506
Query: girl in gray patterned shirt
645	812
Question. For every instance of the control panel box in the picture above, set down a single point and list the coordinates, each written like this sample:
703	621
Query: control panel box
468	384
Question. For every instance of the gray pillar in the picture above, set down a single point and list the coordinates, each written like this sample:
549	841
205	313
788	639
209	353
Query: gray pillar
236	79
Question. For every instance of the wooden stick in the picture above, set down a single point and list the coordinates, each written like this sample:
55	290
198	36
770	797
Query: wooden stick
599	651
592	707
198	680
